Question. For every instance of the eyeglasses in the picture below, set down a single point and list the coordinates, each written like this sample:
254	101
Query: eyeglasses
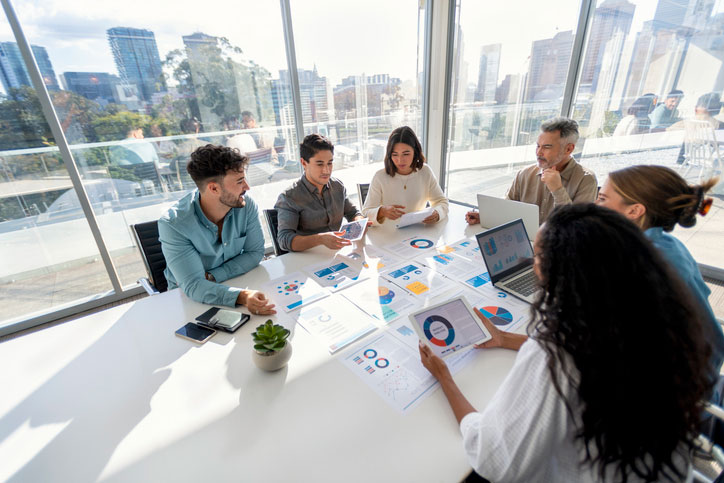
705	206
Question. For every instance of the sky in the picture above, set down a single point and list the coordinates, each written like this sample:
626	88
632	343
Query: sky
340	38
379	36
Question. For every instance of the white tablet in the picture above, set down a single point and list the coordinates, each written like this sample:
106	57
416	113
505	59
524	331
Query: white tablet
353	231
449	327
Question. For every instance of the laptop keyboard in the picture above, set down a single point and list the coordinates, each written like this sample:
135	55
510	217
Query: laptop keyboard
525	285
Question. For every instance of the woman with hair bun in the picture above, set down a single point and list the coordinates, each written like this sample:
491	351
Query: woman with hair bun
657	198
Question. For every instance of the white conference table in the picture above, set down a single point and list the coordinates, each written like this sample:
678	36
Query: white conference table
116	396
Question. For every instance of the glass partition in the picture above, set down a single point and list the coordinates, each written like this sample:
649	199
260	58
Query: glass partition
49	259
356	92
652	75
509	75
136	94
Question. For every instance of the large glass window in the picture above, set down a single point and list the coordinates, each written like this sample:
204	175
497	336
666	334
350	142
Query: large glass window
509	74
652	77
49	258
138	86
363	84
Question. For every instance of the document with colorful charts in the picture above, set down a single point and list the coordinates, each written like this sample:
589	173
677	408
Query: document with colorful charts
381	299
372	258
389	364
336	322
419	280
505	311
412	247
466	248
450	265
338	273
293	291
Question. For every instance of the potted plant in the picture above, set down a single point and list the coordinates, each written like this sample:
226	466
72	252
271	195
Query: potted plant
272	350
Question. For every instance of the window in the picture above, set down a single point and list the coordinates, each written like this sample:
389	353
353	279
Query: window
649	71
509	75
356	92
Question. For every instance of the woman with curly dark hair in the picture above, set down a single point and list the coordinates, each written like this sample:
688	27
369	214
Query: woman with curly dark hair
609	385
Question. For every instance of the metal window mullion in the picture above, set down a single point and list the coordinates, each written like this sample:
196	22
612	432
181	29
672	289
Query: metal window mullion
292	66
426	63
574	67
445	121
53	122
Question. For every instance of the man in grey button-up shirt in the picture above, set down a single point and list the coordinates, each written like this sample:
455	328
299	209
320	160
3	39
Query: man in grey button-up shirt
311	211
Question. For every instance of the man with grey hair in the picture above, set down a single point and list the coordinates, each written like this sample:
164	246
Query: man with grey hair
556	179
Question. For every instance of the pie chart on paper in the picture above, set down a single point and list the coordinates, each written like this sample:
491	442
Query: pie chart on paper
497	315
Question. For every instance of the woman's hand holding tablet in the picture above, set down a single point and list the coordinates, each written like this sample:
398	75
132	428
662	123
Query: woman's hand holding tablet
449	327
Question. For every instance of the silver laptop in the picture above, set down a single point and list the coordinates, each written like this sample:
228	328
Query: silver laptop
508	255
496	211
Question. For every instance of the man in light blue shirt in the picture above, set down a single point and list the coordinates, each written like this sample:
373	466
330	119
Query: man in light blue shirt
213	234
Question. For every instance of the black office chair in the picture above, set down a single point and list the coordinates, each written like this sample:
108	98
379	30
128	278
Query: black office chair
146	235
273	224
362	189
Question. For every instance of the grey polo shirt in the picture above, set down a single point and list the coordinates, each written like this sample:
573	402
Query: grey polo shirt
302	211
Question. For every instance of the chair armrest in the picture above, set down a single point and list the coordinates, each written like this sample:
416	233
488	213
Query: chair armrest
147	286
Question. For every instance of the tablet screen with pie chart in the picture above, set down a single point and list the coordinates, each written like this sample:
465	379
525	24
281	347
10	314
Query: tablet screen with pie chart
449	327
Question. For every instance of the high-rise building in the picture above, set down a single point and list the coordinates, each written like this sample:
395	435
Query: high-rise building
96	86
314	91
488	73
137	60
12	67
611	25
549	59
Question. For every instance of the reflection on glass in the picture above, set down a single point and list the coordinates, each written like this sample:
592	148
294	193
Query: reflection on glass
650	93
137	94
356	93
39	226
507	79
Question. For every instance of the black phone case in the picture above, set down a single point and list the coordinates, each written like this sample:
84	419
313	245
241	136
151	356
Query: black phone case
205	320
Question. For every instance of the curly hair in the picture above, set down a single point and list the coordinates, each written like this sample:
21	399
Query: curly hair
407	136
211	163
621	327
668	198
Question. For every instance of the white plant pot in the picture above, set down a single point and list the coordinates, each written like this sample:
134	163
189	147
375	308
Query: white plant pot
272	361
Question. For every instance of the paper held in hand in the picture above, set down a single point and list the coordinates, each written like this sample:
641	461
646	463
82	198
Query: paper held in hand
413	218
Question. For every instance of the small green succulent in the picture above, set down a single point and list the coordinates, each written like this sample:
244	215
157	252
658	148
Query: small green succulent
270	337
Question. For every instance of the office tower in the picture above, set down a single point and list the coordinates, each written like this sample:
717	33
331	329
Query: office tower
488	73
96	86
611	25
12	67
315	93
137	59
548	69
460	89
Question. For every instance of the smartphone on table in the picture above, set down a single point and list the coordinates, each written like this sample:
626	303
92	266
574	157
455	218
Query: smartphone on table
195	332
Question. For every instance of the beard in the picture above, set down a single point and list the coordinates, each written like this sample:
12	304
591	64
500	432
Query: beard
227	199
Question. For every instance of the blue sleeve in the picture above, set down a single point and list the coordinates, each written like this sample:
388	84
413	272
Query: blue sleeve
655	117
287	222
252	252
183	260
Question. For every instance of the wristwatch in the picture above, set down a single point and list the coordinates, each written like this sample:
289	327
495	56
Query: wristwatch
210	277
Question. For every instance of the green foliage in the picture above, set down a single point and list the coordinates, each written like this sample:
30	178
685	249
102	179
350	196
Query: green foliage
611	120
114	127
270	337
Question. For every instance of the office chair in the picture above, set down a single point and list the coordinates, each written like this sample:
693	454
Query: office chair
362	189
146	235
272	223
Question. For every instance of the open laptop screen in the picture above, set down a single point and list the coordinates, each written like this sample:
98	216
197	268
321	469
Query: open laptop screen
505	249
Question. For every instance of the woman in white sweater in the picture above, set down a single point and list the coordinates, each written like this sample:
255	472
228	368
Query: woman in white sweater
406	184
